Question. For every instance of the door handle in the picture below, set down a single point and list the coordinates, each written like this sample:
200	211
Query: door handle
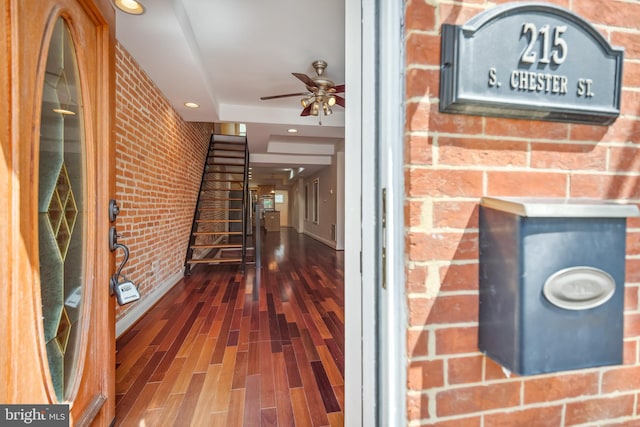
113	238
114	210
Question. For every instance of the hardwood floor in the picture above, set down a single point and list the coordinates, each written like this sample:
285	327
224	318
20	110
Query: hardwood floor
227	349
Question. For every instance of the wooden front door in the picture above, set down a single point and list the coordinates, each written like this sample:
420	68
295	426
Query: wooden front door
56	179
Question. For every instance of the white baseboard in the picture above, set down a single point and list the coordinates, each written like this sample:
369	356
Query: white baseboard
147	301
327	242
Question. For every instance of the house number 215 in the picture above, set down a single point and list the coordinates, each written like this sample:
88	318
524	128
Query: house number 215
553	47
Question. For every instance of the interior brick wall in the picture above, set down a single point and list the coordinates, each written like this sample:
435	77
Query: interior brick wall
451	161
159	161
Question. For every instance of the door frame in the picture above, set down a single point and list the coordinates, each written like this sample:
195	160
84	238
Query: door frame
392	303
375	317
355	401
360	216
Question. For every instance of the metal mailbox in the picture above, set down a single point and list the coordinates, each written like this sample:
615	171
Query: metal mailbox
552	282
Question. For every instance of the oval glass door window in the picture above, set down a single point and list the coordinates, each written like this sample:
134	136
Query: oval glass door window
579	288
61	210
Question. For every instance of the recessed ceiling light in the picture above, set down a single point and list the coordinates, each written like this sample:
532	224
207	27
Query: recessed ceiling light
191	105
292	130
132	7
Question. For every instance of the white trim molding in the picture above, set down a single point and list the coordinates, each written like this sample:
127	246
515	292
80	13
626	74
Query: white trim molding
327	242
142	306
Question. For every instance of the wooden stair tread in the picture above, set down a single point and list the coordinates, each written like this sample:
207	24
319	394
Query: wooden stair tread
218	246
235	165
209	191
226	156
229	139
226	172
215	233
238	147
218	220
233	186
213	260
222	180
226	160
241	173
235	199
225	146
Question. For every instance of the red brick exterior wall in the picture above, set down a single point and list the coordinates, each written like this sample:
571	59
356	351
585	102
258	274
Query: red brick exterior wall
159	161
452	161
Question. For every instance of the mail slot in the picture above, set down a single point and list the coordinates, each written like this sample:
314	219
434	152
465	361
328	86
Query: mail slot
552	282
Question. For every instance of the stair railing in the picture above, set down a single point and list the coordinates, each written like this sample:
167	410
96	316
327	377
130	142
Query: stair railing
196	214
245	205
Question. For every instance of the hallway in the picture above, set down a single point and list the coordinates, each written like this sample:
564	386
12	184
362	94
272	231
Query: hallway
223	349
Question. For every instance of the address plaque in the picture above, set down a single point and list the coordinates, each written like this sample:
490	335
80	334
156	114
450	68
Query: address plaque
533	61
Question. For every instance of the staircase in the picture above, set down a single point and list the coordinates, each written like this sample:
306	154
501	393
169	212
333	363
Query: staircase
220	222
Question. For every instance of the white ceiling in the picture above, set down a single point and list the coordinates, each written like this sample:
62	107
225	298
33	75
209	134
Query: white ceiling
225	54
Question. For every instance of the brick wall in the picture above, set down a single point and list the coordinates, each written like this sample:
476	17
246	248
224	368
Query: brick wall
452	161
159	160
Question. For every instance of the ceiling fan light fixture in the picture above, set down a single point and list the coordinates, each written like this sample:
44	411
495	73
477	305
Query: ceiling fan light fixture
315	108
306	101
331	101
327	109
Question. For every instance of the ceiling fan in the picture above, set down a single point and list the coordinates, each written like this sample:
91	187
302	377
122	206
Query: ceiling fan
320	95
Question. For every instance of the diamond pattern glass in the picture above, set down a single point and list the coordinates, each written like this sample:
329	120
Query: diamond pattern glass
61	200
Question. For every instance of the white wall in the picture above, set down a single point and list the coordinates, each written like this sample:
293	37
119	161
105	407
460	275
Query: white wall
340	199
327	201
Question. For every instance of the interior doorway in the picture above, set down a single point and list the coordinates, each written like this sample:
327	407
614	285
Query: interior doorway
282	205
360	212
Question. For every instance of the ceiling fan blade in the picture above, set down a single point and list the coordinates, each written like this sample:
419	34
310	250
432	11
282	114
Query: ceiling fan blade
305	79
339	100
283	96
306	111
339	88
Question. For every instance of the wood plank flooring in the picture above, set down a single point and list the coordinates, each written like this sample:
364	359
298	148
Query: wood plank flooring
225	349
